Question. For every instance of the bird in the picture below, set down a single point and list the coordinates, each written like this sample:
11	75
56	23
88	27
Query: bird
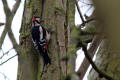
40	38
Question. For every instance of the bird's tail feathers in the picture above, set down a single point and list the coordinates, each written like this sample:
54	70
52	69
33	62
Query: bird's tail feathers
46	58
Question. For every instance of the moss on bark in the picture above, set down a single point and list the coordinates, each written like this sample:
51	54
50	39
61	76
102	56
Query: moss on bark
30	63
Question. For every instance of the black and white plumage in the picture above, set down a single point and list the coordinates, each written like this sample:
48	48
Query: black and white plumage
40	38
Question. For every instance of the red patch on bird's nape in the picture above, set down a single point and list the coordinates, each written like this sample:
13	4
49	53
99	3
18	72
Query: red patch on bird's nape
33	19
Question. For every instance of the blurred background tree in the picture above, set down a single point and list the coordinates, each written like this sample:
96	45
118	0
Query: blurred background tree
107	13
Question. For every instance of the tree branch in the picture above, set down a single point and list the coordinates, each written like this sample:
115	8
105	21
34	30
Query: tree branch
85	2
83	21
76	2
6	8
86	22
5	77
8	22
1	23
7	27
14	42
8	59
85	33
5	53
15	7
85	64
1	50
3	37
9	18
101	74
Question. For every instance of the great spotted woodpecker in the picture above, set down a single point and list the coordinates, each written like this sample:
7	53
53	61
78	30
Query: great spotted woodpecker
40	37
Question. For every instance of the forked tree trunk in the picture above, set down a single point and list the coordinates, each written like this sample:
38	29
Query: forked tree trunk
54	13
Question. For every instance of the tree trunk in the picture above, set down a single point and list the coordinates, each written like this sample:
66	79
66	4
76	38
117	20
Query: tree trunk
54	13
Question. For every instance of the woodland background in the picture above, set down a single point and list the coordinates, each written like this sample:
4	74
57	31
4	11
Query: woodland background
101	30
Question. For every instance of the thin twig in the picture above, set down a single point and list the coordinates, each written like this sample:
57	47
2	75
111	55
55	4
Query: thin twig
84	33
5	53
85	22
78	8
8	59
1	23
86	3
2	50
5	77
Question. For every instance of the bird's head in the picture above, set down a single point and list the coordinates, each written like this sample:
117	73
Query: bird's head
36	19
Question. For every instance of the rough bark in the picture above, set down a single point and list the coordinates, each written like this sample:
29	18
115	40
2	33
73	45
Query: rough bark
54	13
70	18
